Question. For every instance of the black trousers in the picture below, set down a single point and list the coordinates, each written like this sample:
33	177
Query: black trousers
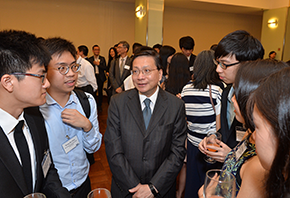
83	190
100	91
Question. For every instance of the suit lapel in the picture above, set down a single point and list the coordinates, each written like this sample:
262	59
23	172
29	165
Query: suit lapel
159	109
135	109
10	160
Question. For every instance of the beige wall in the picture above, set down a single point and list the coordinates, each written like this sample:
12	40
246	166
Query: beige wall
105	23
85	22
205	27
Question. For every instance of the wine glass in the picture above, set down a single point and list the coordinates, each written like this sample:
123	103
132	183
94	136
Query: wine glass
219	183
99	193
211	140
35	195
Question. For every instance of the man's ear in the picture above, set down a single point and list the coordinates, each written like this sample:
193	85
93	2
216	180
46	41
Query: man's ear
7	82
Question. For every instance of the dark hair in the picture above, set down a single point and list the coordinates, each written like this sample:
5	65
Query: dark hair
135	47
241	44
178	75
165	52
157	46
19	51
186	42
248	78
272	99
94	46
150	52
125	44
272	52
84	49
110	58
57	45
204	70
213	47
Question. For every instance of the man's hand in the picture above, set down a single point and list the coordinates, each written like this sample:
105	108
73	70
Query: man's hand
222	151
76	119
119	90
96	62
141	191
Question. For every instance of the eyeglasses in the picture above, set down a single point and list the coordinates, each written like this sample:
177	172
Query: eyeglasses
222	65
145	72
64	68
33	75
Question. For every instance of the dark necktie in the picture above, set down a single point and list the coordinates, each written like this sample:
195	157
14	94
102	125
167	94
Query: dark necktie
23	150
147	112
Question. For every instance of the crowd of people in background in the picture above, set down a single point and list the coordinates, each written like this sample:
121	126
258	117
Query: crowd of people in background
162	105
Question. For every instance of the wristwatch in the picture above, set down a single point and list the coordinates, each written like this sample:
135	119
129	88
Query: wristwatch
153	190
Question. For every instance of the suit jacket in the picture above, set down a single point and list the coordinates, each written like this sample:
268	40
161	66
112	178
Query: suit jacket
12	181
191	60
114	73
228	134
102	67
137	155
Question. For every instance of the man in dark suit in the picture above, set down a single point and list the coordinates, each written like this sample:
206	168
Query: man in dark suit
234	48
25	162
145	150
99	64
120	68
186	45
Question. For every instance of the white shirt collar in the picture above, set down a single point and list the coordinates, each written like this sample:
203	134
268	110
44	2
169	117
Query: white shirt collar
8	122
153	99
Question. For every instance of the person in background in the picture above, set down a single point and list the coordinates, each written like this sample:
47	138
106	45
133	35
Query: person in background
272	55
202	97
71	134
112	55
83	52
166	52
233	49
99	64
121	68
86	79
186	44
269	111
134	48
157	47
213	47
23	137
145	135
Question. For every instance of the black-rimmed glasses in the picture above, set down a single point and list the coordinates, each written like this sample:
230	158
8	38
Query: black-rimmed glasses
43	76
64	68
222	65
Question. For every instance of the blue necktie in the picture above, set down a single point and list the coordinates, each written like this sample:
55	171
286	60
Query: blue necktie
147	112
23	150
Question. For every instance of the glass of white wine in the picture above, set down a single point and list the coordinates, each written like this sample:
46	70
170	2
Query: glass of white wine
35	195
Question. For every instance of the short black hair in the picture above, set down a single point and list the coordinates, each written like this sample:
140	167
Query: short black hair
59	45
84	49
135	47
241	44
186	42
157	46
94	46
272	52
150	52
19	51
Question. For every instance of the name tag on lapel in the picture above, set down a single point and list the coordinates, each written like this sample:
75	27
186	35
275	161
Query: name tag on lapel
127	67
46	162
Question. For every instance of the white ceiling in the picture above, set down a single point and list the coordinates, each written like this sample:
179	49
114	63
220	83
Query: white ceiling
191	4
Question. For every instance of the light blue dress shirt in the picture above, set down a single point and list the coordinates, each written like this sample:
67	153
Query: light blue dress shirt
230	109
73	167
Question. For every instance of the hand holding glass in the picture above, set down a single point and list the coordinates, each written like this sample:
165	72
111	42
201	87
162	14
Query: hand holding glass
211	140
35	195
218	184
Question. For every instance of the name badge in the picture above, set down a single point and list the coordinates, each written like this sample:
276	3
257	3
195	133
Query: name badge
241	150
70	144
191	68
240	132
46	162
127	67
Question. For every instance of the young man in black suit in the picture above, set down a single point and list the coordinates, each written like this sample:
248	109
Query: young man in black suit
233	49
186	44
25	162
145	135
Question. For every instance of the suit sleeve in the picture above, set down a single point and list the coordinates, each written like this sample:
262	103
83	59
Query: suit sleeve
112	75
102	63
166	174
122	171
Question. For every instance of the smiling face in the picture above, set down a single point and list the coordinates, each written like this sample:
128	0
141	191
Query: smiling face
146	84
228	75
266	142
61	83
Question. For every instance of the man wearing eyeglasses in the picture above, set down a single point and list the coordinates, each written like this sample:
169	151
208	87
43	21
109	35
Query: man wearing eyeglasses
70	132
26	165
145	135
233	49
